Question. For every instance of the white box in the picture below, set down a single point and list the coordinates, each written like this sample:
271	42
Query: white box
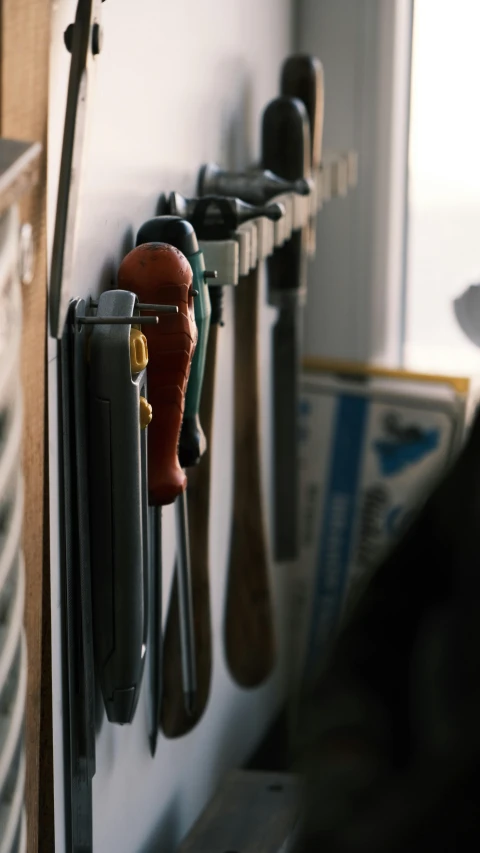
372	443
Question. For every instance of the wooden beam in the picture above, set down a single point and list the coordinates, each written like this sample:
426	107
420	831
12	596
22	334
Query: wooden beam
253	812
25	39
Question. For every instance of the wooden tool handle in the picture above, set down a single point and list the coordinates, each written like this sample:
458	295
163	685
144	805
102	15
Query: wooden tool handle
175	721
160	273
249	628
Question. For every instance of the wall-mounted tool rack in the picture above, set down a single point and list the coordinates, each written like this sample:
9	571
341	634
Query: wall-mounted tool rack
255	240
107	545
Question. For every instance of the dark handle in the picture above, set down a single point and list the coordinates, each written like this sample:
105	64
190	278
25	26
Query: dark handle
286	139
286	151
302	78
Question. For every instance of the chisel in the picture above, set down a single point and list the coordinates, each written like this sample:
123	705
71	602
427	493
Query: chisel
179	641
216	221
158	272
286	151
302	78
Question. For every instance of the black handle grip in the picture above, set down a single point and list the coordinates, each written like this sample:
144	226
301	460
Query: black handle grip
286	139
255	187
169	229
217	217
286	151
302	78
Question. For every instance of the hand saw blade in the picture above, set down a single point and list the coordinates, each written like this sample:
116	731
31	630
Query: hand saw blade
84	39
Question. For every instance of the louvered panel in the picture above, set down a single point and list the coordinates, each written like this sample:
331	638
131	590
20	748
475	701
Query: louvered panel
13	654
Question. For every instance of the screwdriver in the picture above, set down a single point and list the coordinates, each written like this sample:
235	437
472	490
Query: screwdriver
249	628
158	272
212	210
256	186
216	228
192	445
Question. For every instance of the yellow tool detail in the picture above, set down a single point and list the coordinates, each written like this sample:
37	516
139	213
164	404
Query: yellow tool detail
138	351
145	412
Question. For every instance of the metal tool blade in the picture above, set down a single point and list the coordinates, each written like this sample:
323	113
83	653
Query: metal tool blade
87	19
286	367
155	620
185	604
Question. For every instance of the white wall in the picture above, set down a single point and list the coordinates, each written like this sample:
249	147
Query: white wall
356	295
178	84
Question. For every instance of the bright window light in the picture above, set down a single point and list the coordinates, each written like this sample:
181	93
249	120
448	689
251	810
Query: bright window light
444	177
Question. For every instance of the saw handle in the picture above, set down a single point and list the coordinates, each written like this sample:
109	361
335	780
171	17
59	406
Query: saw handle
157	272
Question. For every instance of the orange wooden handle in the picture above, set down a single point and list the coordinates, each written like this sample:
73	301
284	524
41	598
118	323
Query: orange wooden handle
159	273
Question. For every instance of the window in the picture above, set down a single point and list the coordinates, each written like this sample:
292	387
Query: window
443	256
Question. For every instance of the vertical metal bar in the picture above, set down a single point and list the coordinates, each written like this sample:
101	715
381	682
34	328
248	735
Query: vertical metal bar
187	633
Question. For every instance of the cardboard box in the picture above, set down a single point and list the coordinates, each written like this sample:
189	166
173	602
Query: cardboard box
372	444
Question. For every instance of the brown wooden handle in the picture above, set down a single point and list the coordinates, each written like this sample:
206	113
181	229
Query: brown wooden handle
160	273
249	628
175	720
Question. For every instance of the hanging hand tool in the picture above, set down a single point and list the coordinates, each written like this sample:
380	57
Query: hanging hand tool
159	272
211	210
215	222
180	632
261	185
256	186
118	414
286	151
84	41
246	221
83	548
302	78
249	628
75	576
